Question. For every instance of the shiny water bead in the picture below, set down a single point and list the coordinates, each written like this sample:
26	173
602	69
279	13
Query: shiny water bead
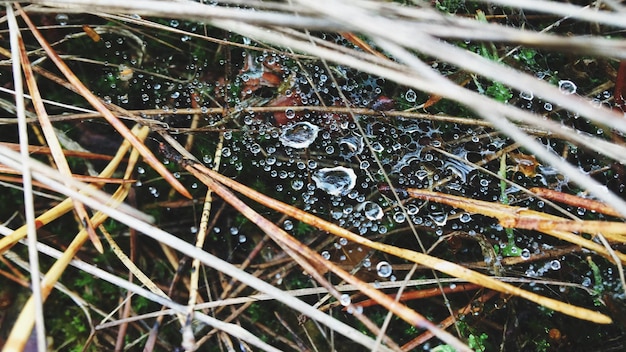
299	135
384	269
335	181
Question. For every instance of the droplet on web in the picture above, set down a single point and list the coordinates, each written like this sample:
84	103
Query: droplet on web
335	181
299	135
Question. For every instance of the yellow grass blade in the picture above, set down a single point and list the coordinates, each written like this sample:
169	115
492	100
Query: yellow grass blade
53	142
516	217
65	206
25	321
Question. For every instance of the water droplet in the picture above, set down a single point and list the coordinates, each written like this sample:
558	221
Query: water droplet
555	265
153	191
412	209
465	217
297	185
174	23
526	95
234	231
372	211
325	255
354	144
335	180
345	300
567	87
399	217
289	113
384	269
525	254
410	96
547	106
62	19
377	147
299	135
439	218
288	225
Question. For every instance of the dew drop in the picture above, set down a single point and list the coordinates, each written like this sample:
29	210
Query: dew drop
465	217
377	147
325	255
153	191
62	19
353	143
526	95
439	218
335	180
345	300
297	185
410	96
412	209
372	211
399	217
384	269
555	265
525	254
288	225
255	148
567	87
289	113
299	135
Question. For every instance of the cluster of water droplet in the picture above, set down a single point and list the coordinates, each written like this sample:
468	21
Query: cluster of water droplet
321	161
